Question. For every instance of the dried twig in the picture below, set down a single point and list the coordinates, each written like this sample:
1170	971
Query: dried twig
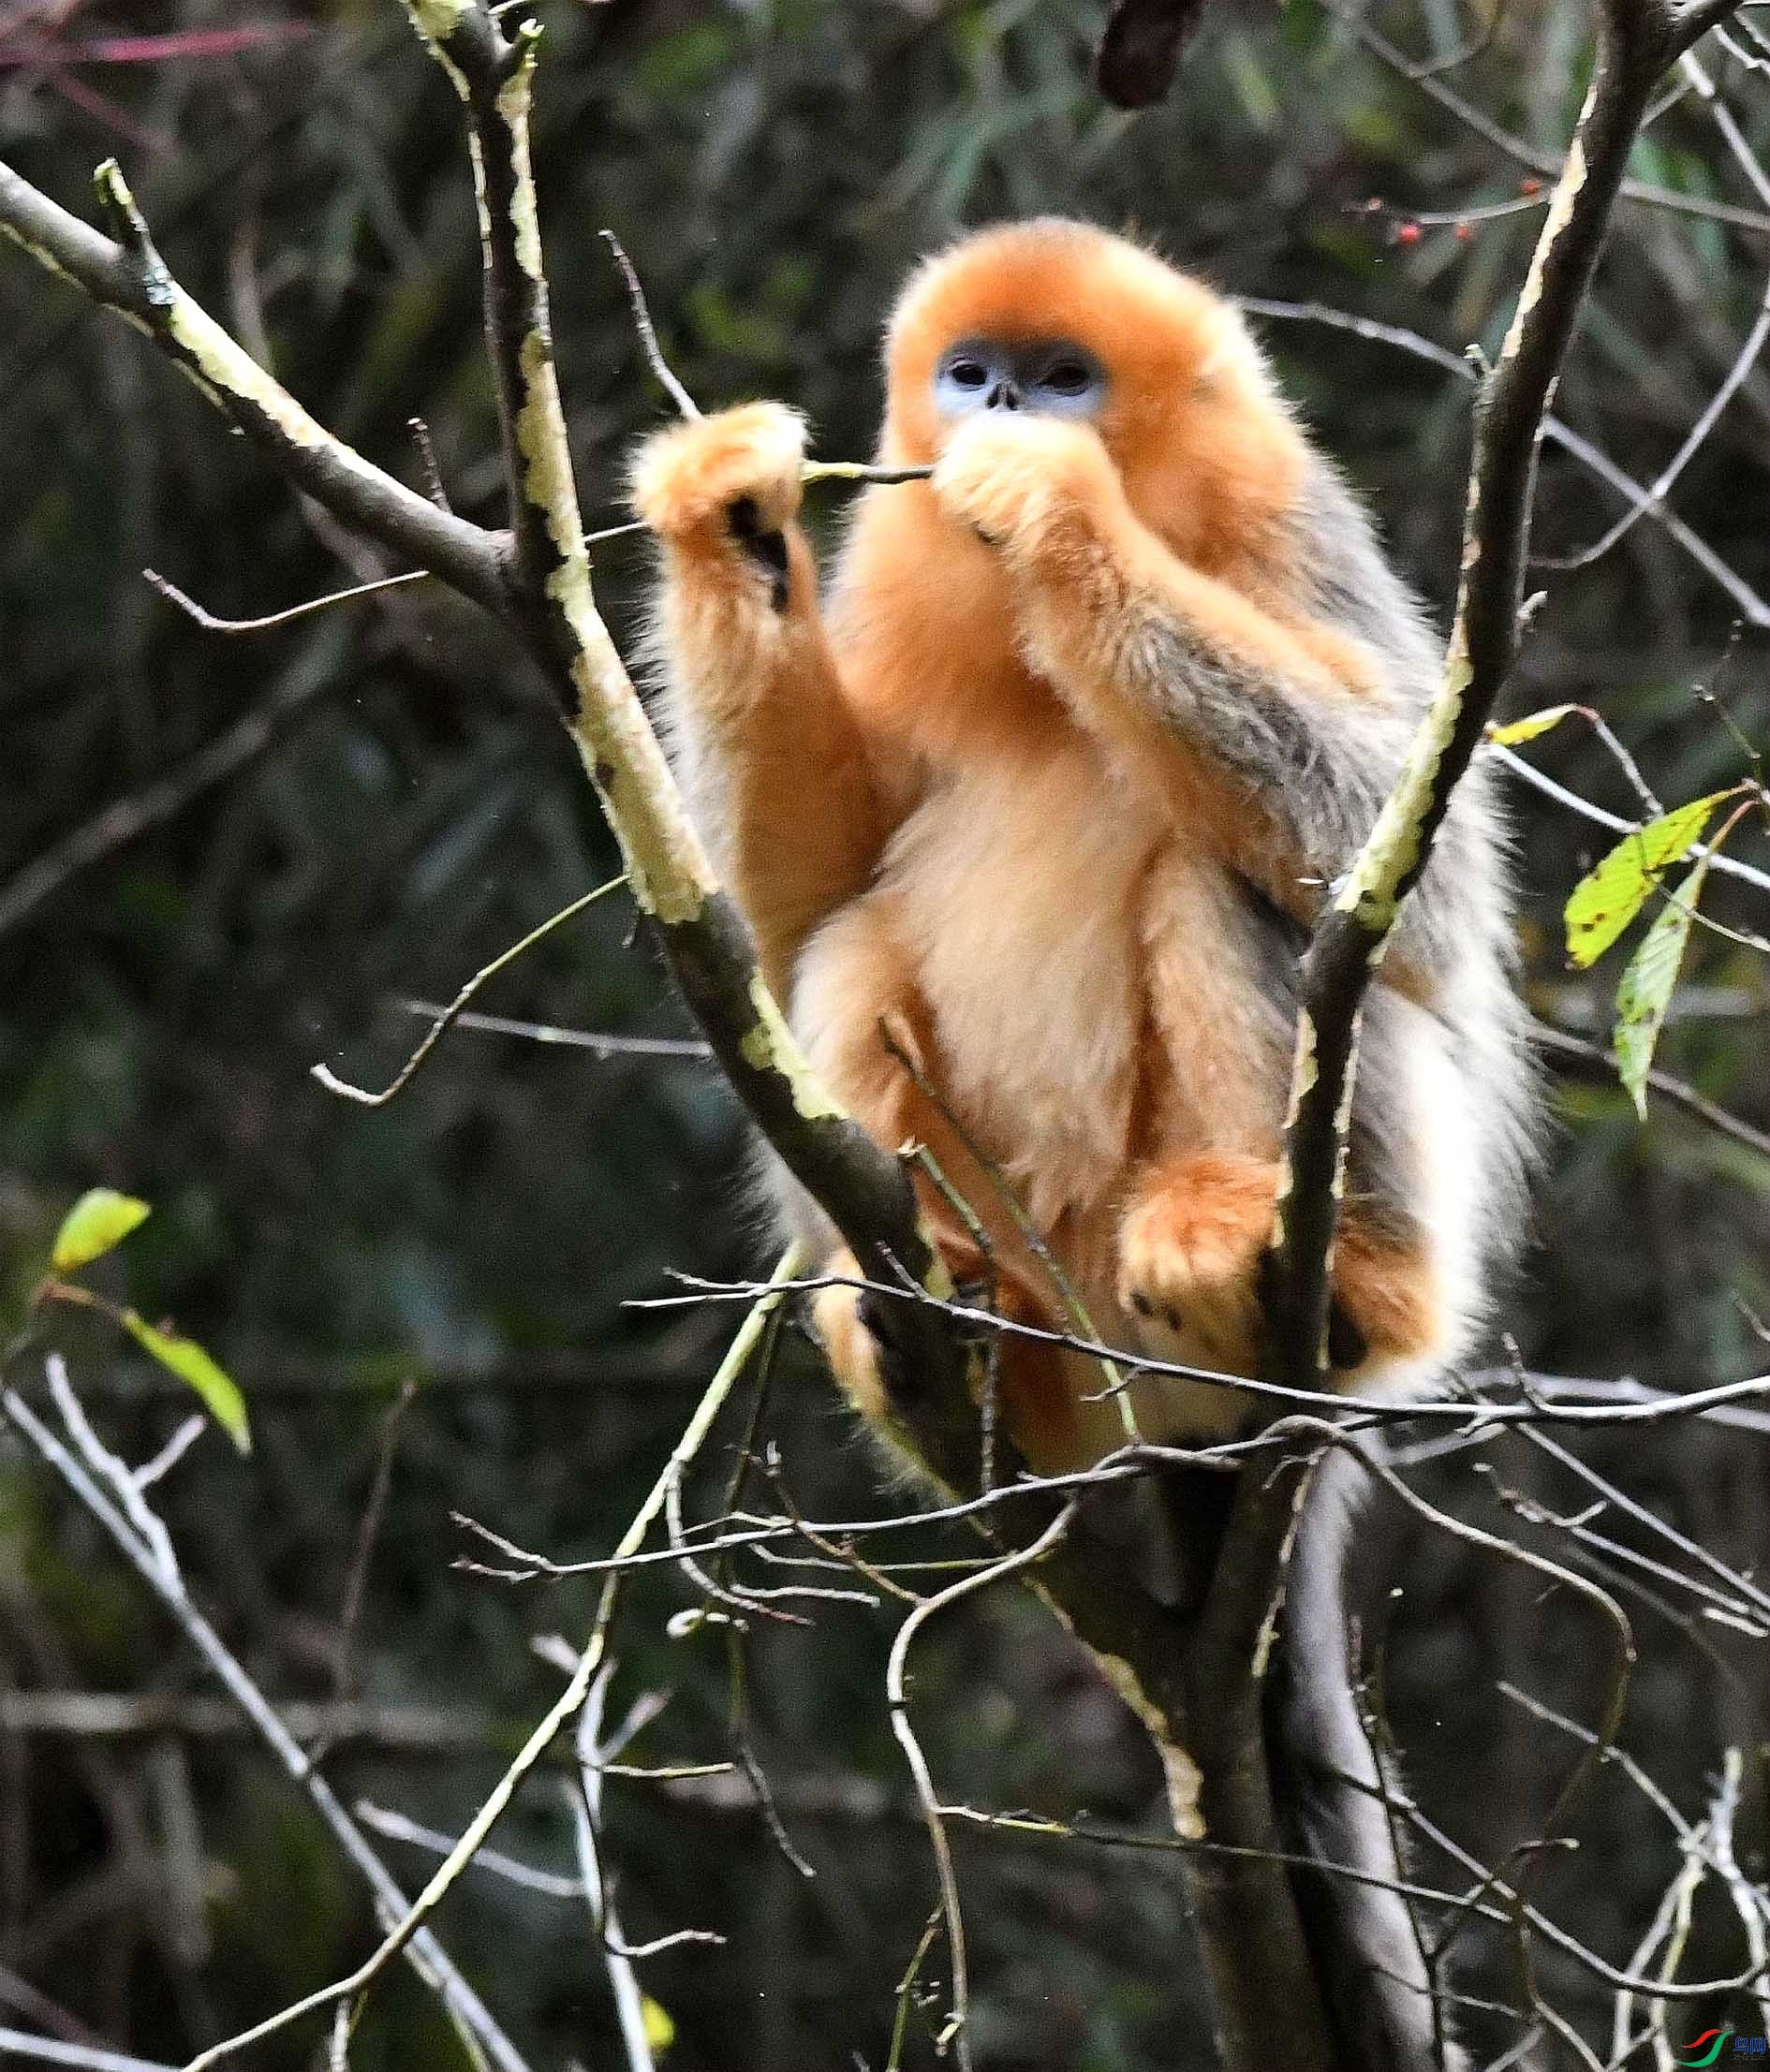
87	2057
288	616
647	330
565	1708
896	1691
103	1486
357	1581
447	1016
599	1042
1752	607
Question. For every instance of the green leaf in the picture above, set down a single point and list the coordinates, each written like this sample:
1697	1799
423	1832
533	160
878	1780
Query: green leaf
1530	727
1645	988
187	1359
97	1223
660	2031
1607	899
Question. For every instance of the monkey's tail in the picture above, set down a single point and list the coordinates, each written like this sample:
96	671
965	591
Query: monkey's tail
1328	1796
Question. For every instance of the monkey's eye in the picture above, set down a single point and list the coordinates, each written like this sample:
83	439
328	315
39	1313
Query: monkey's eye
1068	378
969	373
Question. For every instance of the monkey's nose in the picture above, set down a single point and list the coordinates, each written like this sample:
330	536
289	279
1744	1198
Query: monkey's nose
1004	396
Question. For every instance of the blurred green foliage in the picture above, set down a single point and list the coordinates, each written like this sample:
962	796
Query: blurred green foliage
407	807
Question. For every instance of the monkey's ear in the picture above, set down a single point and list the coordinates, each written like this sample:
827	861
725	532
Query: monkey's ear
1140	49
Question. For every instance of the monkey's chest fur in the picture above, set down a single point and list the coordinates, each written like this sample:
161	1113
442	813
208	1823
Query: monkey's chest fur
1079	961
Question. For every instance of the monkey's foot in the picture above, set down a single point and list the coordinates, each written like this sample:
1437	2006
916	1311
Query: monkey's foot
1190	1251
845	1321
854	1352
1035	1401
1189	1257
731	479
1388	1297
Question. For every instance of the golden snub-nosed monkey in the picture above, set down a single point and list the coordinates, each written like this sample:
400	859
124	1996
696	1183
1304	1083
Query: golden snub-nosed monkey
1049	786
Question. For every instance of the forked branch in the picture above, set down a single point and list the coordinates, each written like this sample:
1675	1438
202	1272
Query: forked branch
1636	40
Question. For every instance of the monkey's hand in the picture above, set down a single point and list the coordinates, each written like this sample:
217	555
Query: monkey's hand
1029	484
723	490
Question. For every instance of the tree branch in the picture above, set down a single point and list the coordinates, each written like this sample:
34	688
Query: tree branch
699	930
144	1539
1634	45
536	578
131	278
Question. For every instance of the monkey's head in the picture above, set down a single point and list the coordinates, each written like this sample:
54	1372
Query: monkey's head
1058	319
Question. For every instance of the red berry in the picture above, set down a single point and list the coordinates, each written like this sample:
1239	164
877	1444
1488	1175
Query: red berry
1407	234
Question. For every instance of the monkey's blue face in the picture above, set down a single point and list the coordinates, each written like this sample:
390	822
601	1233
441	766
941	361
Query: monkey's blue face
1053	378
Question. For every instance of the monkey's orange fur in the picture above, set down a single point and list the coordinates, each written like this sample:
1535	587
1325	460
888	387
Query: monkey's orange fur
951	817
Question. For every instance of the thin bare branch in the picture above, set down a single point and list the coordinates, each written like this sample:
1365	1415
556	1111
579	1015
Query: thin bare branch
1753	607
396	1827
1750	1902
584	1800
599	1042
89	1479
1542	162
451	1014
1655	493
427	461
565	1708
209	622
896	1690
1727	866
87	2057
647	330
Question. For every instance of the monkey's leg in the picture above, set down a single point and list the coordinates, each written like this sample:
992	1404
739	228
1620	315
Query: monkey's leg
1190	1252
860	1011
856	1001
774	761
1035	1399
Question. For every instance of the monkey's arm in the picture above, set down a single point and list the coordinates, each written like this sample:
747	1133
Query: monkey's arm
773	759
1190	678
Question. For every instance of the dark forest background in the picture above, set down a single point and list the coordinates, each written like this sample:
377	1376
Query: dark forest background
328	821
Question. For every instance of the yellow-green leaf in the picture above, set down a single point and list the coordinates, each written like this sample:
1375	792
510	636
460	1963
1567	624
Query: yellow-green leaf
1645	990
660	2031
220	1393
1608	898
1530	727
100	1220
